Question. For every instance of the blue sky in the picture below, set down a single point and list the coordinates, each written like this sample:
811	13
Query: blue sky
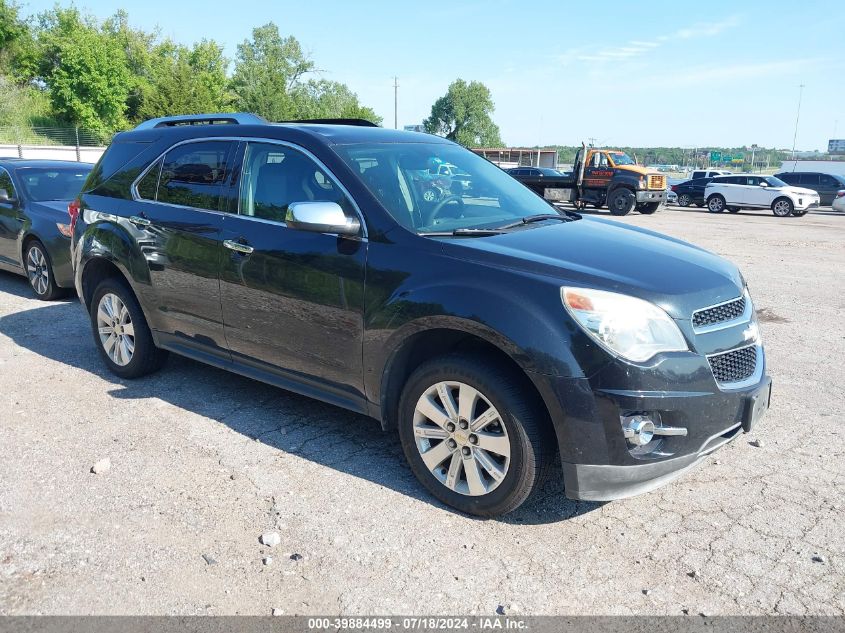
625	73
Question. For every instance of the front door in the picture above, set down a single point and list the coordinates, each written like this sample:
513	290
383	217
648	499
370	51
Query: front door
177	226
292	300
11	222
598	172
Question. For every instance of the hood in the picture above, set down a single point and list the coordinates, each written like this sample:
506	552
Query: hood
639	169
606	255
801	191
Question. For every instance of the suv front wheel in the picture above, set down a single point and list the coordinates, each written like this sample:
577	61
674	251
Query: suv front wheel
121	332
472	437
783	207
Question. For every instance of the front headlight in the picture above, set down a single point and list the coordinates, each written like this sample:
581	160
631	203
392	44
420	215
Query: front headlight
632	328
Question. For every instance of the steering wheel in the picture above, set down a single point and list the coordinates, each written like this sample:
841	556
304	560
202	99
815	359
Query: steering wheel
432	215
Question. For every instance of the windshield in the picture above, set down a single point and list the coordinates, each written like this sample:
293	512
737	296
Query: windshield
775	182
621	158
399	175
62	183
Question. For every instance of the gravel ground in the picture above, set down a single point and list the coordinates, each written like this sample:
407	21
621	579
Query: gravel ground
202	463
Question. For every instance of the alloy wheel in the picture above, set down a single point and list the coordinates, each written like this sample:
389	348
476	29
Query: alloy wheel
716	205
117	332
684	200
38	270
782	208
461	438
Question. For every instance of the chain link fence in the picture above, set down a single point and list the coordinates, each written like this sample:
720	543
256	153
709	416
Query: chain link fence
67	136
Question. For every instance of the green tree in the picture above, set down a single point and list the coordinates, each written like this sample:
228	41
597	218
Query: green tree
267	69
85	70
186	81
138	47
316	99
18	57
464	114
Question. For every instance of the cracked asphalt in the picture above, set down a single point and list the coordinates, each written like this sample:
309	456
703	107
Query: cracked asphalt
203	462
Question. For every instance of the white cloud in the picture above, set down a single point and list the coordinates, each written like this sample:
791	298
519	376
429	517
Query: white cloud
635	48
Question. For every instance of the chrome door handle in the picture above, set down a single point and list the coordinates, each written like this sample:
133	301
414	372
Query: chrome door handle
139	221
238	247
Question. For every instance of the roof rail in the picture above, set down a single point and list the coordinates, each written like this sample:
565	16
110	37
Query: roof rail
219	118
358	122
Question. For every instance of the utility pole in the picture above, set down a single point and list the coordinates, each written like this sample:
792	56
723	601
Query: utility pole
592	140
797	116
396	103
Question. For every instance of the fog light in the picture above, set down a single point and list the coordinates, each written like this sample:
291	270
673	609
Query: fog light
639	430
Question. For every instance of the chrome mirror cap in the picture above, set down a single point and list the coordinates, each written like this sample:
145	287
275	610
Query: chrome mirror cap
321	217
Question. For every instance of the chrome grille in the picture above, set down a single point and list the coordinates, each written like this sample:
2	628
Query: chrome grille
718	314
734	366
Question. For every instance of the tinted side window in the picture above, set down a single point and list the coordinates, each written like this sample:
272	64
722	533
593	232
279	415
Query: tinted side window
828	182
274	176
148	185
790	178
193	174
809	180
6	183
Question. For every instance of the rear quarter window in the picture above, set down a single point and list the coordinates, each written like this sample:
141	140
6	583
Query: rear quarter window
105	178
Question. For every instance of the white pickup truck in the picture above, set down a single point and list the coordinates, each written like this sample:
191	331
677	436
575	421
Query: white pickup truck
736	192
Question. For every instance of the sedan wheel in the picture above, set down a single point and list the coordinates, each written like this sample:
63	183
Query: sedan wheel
37	270
117	332
39	273
461	438
684	200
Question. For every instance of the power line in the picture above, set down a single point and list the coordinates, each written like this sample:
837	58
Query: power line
395	103
797	116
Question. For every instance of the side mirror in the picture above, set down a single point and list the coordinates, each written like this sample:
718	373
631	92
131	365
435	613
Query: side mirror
763	183
321	217
4	196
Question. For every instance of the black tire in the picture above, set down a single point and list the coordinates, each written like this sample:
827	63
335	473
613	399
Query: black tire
733	209
684	200
716	203
700	205
783	207
532	441
146	357
621	201
648	208
798	213
38	268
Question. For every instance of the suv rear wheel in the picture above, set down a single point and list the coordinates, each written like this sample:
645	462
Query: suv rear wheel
716	203
472	437
783	207
121	332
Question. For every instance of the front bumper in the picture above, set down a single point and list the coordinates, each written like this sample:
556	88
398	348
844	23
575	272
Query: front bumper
645	195
605	482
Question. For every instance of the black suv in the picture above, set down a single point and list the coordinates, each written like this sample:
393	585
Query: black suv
826	185
495	331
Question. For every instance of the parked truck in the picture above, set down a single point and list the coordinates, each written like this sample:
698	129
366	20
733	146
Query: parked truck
604	177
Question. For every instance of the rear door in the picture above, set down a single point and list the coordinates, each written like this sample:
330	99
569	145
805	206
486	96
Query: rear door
178	226
828	186
11	222
292	300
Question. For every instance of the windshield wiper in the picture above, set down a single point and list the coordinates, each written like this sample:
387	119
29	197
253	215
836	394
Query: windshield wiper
465	232
535	218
